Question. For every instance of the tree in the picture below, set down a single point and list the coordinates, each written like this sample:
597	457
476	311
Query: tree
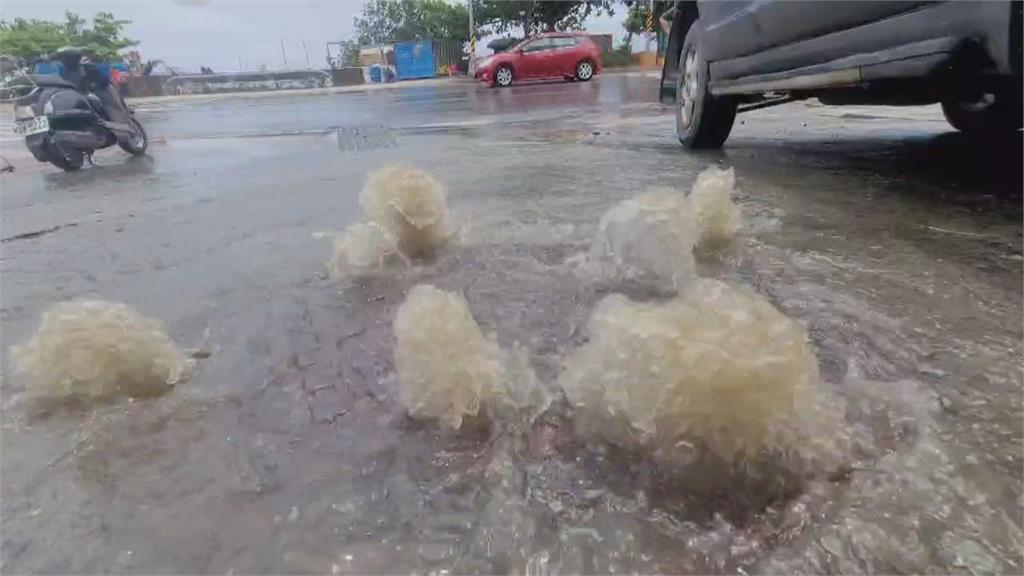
349	53
504	15
636	22
104	39
539	15
30	39
384	21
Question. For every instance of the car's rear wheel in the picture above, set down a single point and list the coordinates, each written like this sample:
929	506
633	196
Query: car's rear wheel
702	120
503	76
984	113
584	70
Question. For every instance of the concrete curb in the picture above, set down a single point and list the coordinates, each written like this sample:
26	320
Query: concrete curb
428	82
305	91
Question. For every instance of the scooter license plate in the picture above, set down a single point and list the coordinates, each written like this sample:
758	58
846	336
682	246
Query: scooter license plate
36	125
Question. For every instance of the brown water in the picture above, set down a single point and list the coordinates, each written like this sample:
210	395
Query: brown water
289	452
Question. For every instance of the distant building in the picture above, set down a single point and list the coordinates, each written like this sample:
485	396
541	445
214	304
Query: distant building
372	55
603	41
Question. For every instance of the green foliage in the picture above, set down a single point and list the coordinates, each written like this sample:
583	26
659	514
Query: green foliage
557	15
30	39
636	22
385	21
621	56
538	15
350	53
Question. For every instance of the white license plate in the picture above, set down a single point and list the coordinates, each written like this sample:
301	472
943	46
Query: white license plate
34	126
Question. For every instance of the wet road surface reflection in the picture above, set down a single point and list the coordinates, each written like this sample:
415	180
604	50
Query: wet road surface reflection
895	242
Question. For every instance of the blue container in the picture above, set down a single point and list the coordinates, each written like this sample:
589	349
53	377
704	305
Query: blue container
48	68
414	60
375	73
103	69
54	67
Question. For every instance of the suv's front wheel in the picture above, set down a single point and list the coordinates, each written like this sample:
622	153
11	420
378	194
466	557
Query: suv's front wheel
702	120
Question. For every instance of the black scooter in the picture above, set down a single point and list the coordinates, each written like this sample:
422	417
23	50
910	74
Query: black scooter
66	118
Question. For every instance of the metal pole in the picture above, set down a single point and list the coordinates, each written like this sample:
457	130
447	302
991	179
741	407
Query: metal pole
308	65
239	62
284	56
472	40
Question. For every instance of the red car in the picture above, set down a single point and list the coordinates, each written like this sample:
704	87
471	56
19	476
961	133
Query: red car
569	55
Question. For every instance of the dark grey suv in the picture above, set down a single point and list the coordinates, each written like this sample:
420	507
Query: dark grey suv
725	57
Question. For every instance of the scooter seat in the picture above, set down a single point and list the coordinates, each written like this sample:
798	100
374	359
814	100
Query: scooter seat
51	81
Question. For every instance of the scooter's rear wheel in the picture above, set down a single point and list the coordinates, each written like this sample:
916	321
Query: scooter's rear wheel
137	143
68	160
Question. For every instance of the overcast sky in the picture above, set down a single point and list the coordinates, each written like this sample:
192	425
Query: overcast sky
217	33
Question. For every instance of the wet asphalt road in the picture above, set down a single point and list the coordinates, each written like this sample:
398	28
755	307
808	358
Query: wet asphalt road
897	240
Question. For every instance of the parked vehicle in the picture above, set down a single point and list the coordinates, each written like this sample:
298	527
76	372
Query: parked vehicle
65	118
729	57
569	55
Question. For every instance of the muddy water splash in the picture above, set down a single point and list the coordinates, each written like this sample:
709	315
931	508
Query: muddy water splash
649	240
404	216
363	247
409	204
449	370
718	218
92	348
718	369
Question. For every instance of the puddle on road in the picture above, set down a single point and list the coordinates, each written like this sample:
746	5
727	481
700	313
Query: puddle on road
371	137
316	467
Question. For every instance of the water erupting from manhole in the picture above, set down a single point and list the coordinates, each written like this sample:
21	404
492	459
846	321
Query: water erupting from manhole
718	218
717	367
92	348
404	214
410	204
449	370
649	240
363	247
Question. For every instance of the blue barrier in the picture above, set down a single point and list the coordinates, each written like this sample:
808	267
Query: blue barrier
414	60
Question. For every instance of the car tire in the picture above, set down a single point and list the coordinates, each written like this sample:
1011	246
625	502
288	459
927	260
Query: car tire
984	114
68	161
584	70
137	143
504	76
702	120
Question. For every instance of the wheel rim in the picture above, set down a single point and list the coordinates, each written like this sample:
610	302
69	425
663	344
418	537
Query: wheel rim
585	70
983	101
504	76
137	139
688	94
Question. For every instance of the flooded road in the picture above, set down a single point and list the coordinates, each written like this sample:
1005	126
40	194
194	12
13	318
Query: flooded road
896	242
